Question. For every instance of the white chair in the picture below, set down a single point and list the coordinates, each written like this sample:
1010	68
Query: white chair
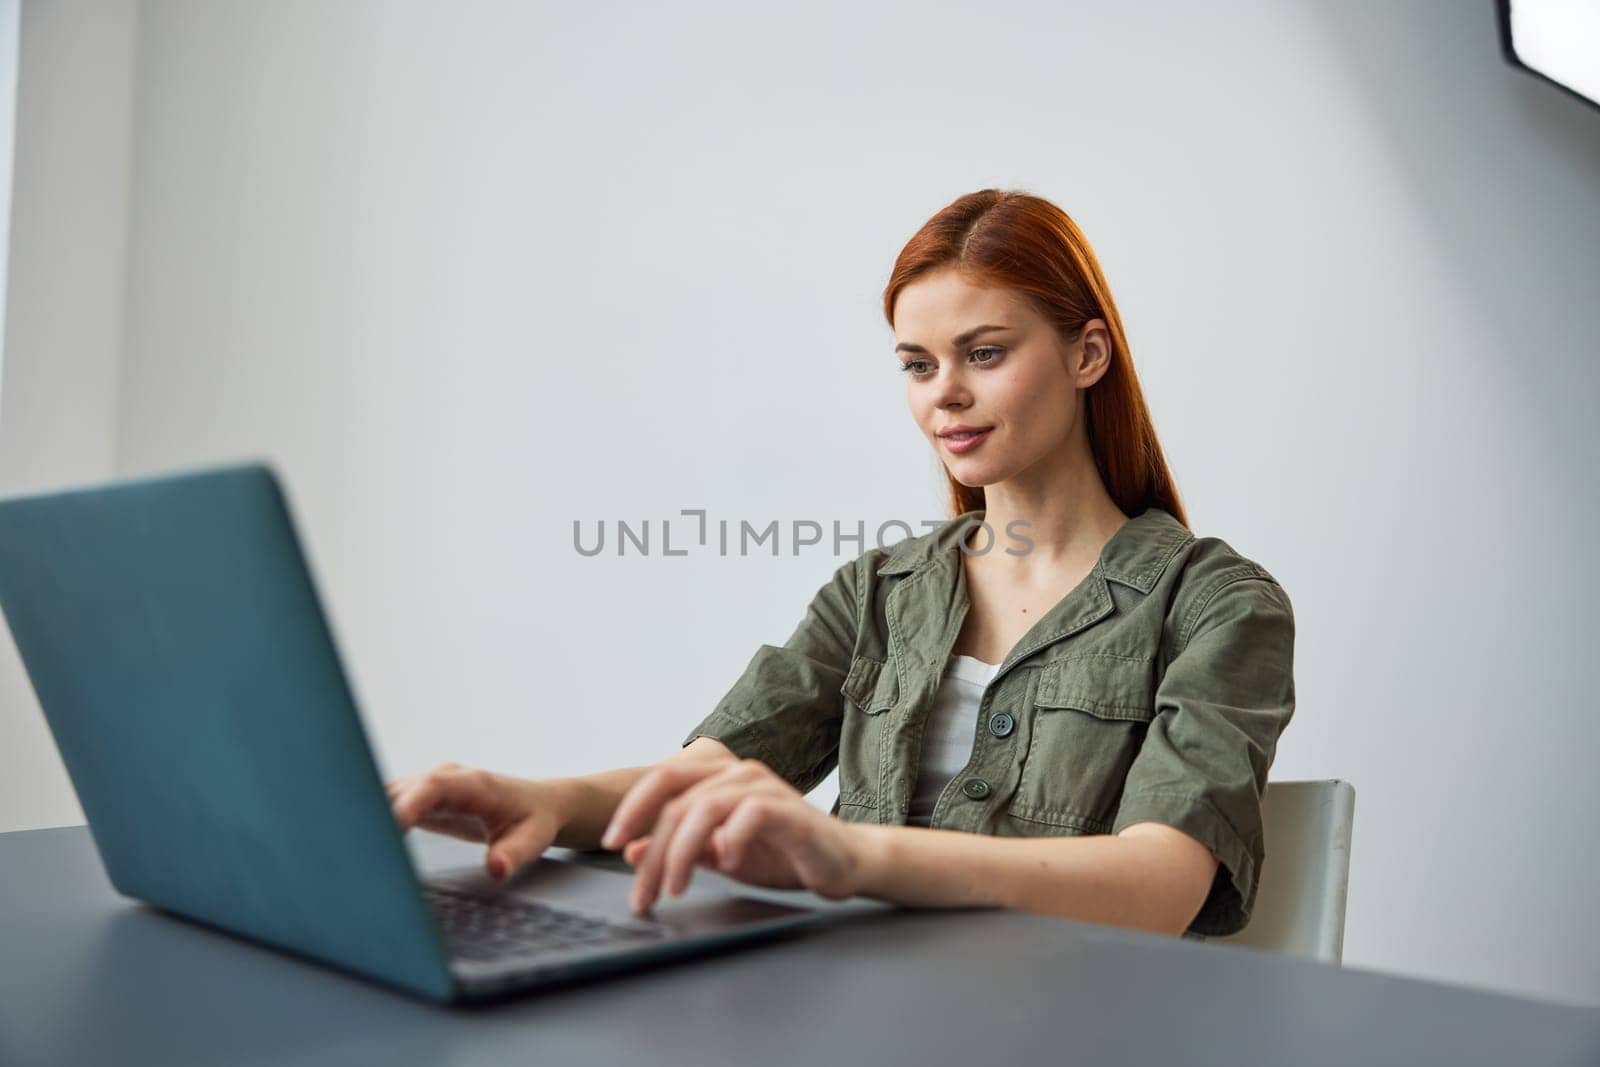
1300	900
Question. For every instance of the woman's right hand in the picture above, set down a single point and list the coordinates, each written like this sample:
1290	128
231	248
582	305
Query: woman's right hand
518	818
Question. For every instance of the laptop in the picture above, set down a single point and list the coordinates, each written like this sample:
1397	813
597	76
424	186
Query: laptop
176	642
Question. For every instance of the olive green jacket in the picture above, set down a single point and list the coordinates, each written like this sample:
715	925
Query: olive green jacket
1155	690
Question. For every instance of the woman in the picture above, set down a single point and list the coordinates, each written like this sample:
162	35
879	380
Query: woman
1060	700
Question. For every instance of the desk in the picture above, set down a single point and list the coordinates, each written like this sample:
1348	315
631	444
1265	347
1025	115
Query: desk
89	977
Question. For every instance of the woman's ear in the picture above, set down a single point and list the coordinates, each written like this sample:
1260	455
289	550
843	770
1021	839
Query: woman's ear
1094	353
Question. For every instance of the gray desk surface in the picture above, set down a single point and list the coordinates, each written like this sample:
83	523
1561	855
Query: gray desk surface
88	977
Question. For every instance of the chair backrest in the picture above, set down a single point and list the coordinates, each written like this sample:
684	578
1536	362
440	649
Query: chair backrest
1300	900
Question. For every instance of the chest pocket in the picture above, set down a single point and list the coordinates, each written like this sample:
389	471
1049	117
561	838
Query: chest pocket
870	689
1088	721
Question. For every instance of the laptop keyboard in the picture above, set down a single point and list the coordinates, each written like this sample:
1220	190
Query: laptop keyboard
480	927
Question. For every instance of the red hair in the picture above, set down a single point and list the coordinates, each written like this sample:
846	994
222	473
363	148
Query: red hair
1013	240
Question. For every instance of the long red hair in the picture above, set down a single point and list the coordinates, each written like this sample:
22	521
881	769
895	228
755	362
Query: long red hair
1012	239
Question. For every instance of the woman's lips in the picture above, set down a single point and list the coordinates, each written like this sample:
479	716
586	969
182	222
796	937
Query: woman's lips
965	442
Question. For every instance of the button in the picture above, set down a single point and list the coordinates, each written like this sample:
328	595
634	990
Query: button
976	788
1001	724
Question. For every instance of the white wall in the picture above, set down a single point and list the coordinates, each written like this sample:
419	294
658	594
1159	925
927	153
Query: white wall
469	273
10	31
63	321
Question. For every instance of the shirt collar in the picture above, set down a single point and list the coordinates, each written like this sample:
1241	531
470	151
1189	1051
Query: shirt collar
1136	554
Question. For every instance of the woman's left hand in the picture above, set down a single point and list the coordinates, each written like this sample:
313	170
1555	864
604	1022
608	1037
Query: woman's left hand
739	818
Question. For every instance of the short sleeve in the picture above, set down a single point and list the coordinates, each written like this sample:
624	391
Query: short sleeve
1221	706
786	709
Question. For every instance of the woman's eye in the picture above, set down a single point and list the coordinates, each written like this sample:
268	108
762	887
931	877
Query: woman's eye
912	366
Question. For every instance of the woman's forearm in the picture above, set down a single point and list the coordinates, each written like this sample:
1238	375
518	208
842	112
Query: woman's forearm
588	801
1117	881
586	804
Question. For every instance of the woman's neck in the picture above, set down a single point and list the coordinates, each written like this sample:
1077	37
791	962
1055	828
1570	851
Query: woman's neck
1068	522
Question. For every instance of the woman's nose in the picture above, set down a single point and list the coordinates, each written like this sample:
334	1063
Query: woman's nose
951	389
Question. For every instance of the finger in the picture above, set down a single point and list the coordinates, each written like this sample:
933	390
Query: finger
467	792
703	805
509	852
395	785
404	805
740	777
398	802
455	824
635	848
741	828
711	857
647	874
705	813
399	787
639	806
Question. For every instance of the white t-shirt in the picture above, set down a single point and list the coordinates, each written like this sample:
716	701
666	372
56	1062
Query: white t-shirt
947	738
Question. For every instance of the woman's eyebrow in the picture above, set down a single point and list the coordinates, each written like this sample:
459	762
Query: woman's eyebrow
961	339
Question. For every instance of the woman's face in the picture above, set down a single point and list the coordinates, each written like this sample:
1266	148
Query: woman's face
1018	382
